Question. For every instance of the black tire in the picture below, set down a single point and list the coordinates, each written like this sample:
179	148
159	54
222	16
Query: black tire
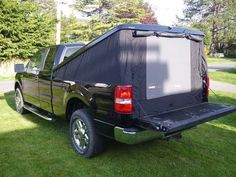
19	101
84	136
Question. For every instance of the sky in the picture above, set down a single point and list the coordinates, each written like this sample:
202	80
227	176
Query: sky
165	10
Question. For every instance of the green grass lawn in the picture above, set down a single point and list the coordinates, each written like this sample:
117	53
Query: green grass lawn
30	146
228	76
214	60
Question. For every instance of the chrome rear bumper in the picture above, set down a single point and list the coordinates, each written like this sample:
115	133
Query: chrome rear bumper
135	135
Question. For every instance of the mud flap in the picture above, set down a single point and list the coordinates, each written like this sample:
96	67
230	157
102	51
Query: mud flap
182	119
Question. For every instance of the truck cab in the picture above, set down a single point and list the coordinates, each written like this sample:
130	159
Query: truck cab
35	81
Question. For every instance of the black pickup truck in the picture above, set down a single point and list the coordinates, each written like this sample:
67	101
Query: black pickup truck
132	84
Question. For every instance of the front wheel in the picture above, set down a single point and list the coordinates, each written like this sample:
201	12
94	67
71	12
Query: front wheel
19	101
84	136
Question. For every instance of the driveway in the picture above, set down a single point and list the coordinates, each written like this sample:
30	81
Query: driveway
221	86
6	86
221	66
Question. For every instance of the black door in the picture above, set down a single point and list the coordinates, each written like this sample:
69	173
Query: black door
30	78
44	77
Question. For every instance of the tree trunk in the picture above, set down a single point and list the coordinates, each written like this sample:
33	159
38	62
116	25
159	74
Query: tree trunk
212	49
214	31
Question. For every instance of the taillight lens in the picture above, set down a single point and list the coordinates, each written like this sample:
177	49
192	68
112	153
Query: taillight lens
123	101
207	86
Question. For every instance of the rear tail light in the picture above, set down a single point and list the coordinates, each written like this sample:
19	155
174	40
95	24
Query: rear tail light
123	101
207	86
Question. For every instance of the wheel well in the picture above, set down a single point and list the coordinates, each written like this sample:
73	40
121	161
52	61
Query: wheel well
73	105
17	85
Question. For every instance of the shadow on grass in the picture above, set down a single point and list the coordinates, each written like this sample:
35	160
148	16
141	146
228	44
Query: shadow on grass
230	71
45	150
9	97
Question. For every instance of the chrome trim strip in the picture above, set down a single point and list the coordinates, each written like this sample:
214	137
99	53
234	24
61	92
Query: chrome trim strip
44	117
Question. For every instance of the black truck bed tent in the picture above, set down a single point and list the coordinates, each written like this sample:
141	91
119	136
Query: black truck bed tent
164	65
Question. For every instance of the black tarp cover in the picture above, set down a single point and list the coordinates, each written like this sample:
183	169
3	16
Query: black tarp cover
119	57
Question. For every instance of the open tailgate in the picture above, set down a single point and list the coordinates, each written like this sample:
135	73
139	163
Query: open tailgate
181	119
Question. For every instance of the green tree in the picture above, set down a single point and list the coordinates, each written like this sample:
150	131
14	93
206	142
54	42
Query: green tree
216	17
73	30
150	15
105	14
131	11
25	26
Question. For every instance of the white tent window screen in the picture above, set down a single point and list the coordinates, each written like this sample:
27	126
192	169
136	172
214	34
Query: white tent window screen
168	68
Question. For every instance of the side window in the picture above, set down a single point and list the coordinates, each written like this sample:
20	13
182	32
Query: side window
35	64
48	64
68	51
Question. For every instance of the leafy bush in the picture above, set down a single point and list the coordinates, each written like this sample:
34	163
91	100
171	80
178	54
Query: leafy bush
231	51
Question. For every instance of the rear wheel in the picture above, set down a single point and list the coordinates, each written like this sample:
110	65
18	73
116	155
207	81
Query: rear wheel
84	136
19	101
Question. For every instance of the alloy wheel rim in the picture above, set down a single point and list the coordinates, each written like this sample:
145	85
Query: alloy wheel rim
80	134
18	100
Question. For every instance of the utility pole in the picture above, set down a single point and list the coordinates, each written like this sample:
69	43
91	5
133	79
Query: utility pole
58	25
